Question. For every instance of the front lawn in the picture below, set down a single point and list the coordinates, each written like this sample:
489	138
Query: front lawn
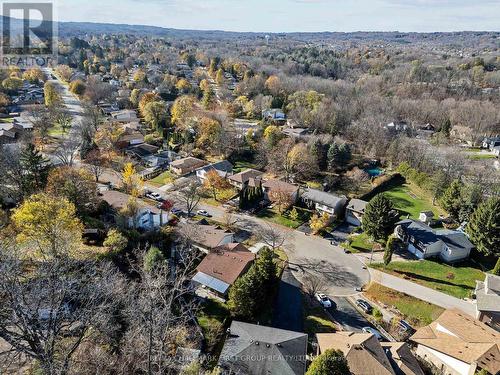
417	312
272	215
165	178
316	320
360	243
481	156
409	199
458	281
242	165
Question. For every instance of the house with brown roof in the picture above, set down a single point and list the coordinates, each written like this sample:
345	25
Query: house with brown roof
367	356
248	177
207	237
458	344
276	190
187	165
222	266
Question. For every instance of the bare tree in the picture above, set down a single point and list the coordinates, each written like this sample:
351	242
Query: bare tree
96	163
47	316
67	151
313	284
191	196
272	236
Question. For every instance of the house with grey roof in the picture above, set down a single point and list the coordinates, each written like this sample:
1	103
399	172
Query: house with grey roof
424	242
488	301
255	350
223	169
323	202
354	212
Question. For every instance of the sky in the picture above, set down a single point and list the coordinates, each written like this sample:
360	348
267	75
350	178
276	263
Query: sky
291	15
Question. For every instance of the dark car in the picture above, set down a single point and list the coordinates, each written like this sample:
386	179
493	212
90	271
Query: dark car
365	306
405	326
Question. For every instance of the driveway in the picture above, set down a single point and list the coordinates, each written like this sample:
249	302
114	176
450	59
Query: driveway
288	306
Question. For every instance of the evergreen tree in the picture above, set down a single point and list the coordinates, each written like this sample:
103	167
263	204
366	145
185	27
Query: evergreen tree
496	269
344	153
390	247
333	155
471	197
451	200
484	227
379	217
320	153
446	128
331	362
36	170
244	295
266	267
153	258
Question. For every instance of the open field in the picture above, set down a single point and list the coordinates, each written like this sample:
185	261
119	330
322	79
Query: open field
417	312
458	281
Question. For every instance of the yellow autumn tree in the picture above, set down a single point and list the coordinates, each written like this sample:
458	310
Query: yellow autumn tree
47	227
318	223
132	182
181	108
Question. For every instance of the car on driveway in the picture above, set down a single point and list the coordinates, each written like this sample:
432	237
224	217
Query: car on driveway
374	332
365	306
323	300
176	211
203	213
154	196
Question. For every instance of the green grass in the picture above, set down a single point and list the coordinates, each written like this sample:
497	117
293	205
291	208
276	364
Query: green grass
408	199
458	281
360	243
316	319
241	165
162	179
57	131
272	215
417	312
481	156
211	311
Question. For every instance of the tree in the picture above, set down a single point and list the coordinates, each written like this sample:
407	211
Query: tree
190	195
12	84
115	241
34	75
266	267
182	106
153	258
281	198
155	114
484	227
333	156
313	284
48	314
451	199
47	227
208	98
272	135
272	236
244	295
76	185
379	217
64	72
67	150
209	134
132	182
51	95
318	223
35	170
496	269
390	247
330	362
96	163
77	87
215	182
130	212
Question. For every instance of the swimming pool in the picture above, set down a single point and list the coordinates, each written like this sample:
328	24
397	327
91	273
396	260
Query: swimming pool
374	171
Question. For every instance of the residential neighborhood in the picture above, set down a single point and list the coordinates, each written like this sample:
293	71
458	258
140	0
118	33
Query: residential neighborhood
210	202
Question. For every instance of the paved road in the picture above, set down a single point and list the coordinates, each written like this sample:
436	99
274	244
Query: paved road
288	307
421	292
347	316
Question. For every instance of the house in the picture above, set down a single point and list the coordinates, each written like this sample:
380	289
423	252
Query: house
206	237
365	355
223	169
426	217
488	301
146	218
277	190
295	132
130	138
354	211
125	116
491	142
187	165
248	177
222	266
323	202
7	137
458	344
275	115
141	151
255	350
424	242
397	126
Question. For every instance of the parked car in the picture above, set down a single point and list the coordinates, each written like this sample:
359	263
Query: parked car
374	332
176	211
365	306
323	299
405	326
154	196
203	213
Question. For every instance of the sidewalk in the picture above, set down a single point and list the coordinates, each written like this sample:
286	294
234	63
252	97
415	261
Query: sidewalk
421	292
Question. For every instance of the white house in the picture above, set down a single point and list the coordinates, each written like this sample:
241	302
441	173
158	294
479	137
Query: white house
354	211
424	242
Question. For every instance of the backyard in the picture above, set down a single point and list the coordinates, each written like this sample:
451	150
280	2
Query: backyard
417	312
458	281
410	199
165	178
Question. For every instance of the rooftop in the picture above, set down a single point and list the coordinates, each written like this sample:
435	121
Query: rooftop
488	293
321	197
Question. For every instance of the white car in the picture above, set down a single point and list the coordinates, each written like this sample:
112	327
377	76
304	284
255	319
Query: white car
203	213
374	332
323	299
154	196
